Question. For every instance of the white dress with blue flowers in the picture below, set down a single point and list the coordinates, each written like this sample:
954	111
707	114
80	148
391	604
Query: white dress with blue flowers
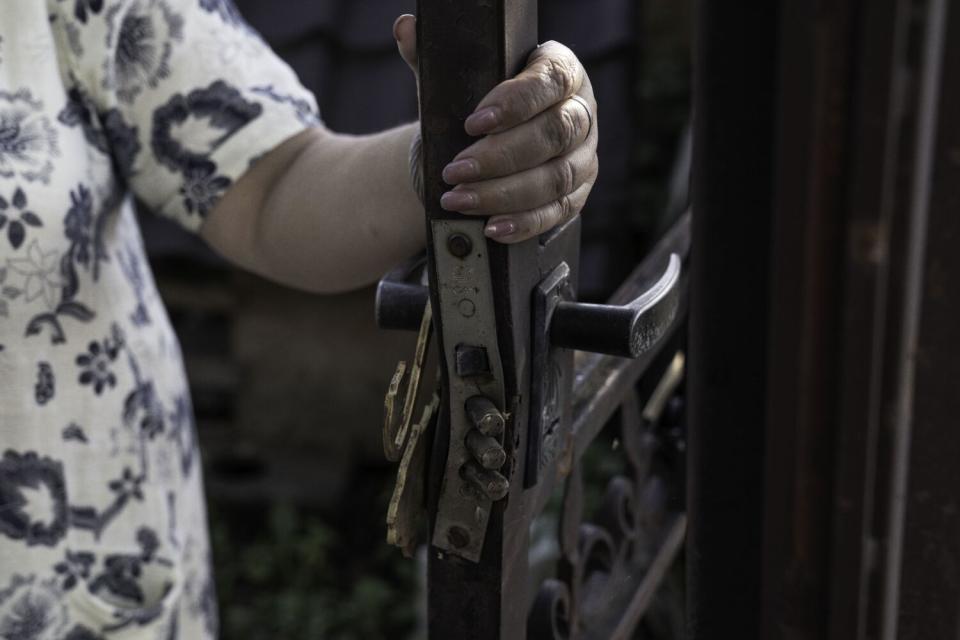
102	523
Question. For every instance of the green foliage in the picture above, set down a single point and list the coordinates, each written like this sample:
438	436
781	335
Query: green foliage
288	574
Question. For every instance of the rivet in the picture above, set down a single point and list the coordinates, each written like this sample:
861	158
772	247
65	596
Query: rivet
458	537
459	245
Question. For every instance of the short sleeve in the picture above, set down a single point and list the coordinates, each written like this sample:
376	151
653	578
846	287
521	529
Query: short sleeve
187	93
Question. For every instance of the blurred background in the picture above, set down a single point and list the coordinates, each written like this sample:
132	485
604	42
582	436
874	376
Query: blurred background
288	387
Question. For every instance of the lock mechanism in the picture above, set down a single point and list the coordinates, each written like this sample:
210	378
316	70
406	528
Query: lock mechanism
477	468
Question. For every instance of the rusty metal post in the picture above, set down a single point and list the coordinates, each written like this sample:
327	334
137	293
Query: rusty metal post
507	321
863	169
823	373
927	594
477	568
732	186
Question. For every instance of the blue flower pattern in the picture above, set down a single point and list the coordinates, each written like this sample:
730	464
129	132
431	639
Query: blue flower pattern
107	505
17	218
84	8
46	386
28	141
225	9
96	362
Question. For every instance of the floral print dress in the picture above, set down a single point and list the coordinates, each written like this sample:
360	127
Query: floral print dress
102	521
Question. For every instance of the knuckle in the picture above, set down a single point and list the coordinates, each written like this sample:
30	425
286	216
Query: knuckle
579	119
499	198
495	156
560	75
594	168
541	220
526	102
564	177
523	97
560	130
505	158
565	209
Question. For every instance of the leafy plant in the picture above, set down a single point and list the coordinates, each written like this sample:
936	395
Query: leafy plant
300	575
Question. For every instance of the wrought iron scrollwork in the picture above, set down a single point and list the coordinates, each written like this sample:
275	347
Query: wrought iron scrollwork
625	535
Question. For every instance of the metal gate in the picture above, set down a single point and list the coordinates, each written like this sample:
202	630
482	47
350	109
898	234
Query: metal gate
518	406
824	198
824	321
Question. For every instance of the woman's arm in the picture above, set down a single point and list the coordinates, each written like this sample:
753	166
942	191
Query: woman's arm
327	212
323	212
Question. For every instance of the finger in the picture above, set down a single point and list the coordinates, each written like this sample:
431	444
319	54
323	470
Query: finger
553	74
405	33
517	227
553	133
528	189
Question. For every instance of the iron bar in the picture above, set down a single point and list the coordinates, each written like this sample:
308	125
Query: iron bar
653	578
465	49
601	381
734	130
928	598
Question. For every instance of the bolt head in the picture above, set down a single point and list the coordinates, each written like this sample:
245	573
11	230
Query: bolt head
492	423
467	308
494	458
458	537
459	245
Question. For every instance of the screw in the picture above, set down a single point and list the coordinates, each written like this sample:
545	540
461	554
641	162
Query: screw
486	450
485	416
491	483
458	537
459	245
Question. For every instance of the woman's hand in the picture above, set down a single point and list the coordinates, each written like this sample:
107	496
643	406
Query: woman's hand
536	161
327	212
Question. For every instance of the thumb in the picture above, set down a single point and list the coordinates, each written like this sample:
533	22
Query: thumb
405	33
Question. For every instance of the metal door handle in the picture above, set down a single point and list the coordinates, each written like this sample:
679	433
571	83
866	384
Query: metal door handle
627	330
402	295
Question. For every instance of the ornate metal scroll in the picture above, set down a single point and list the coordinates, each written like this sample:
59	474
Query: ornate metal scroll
611	565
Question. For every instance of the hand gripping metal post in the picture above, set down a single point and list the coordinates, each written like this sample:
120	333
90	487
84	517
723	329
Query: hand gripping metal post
506	316
506	321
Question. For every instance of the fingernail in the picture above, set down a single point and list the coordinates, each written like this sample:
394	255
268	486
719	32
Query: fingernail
479	122
458	200
500	229
460	171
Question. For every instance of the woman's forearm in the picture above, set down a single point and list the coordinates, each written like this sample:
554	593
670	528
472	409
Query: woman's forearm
328	212
324	212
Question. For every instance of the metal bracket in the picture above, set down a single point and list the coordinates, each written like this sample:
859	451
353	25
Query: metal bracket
548	390
472	353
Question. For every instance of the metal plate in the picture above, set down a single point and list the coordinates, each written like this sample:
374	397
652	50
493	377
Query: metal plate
467	309
549	391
